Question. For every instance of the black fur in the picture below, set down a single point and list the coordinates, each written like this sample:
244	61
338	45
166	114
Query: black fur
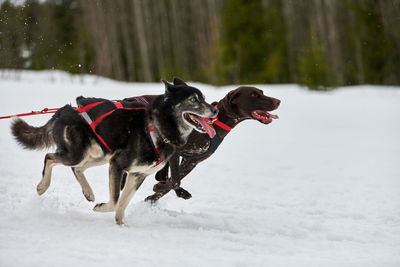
32	137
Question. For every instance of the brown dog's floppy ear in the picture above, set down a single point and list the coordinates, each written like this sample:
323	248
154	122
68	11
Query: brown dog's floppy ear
178	81
233	96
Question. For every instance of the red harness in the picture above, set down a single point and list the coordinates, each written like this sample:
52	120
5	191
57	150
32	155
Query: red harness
93	124
118	105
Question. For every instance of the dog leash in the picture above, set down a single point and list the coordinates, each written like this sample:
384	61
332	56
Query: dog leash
38	112
54	110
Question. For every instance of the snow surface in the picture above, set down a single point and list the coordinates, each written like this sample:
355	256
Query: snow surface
318	187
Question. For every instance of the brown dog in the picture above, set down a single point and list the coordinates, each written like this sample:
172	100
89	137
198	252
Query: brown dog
238	105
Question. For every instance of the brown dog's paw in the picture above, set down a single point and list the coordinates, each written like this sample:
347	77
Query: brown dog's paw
153	198
161	187
161	177
182	193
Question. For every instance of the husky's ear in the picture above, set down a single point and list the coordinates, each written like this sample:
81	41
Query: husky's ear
168	87
178	81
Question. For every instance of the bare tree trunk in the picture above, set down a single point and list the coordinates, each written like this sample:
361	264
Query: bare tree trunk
390	14
289	15
214	26
158	37
321	27
143	44
358	53
128	43
335	53
95	20
178	34
112	27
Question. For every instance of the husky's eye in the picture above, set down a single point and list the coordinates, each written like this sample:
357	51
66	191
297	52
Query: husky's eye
193	100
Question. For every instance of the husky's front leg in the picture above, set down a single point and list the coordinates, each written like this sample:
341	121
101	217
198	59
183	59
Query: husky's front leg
115	173
133	182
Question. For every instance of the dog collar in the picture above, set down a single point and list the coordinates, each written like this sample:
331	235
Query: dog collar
217	122
221	124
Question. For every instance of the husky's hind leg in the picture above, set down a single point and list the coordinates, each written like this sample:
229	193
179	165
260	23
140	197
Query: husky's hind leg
66	155
53	159
50	161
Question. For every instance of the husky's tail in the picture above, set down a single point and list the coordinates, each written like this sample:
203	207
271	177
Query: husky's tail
33	137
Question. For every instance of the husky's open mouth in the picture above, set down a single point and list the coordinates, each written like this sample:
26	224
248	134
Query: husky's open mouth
199	124
263	116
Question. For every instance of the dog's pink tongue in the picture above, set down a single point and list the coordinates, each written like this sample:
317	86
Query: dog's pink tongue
274	116
206	126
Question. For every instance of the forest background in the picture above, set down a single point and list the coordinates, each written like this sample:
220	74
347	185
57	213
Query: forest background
317	43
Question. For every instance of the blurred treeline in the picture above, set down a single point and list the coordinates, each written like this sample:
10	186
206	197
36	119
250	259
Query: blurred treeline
313	42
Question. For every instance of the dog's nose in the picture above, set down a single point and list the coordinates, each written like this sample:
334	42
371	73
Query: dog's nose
214	111
277	102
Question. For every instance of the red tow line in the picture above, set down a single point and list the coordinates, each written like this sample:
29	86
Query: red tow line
43	111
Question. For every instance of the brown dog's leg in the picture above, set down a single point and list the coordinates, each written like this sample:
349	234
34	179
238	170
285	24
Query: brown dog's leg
178	172
172	182
187	165
163	187
162	175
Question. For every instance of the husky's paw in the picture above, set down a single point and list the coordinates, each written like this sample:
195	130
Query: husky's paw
42	187
119	221
89	195
182	193
103	207
119	218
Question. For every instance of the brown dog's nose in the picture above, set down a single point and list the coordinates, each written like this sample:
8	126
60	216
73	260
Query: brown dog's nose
276	102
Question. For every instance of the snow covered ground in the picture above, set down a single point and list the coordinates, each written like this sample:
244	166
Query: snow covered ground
318	187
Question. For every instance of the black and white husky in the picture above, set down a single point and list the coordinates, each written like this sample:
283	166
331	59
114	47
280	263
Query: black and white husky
135	142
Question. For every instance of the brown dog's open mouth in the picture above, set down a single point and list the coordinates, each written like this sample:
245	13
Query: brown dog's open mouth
199	124
263	116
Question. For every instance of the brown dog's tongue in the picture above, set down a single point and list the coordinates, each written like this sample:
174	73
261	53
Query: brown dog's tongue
207	127
274	116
